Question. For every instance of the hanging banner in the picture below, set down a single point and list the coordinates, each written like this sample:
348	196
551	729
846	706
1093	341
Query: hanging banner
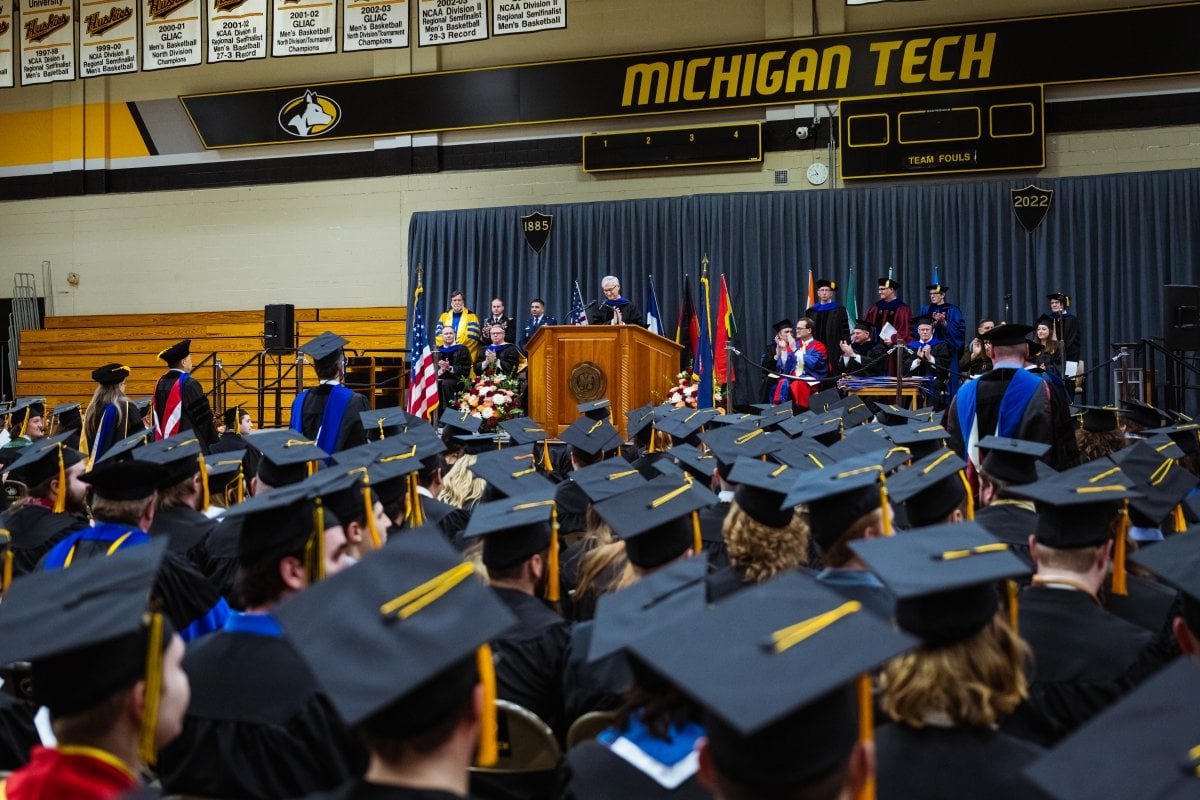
527	16
170	33
47	41
451	21
237	30
6	44
374	24
108	43
304	29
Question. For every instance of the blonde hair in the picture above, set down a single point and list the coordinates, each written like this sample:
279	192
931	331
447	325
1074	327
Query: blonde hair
1098	444
759	552
604	567
460	487
101	398
974	682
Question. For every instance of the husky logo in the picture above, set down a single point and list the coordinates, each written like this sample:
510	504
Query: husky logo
38	29
310	115
227	5
3	26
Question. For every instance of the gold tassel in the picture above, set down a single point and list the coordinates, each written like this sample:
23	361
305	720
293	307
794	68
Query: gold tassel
489	749
866	730
206	498
1180	521
547	464
416	516
652	437
312	467
60	496
154	652
314	549
24	422
241	484
970	497
697	542
1119	581
6	576
369	504
553	588
1013	616
884	504
381	436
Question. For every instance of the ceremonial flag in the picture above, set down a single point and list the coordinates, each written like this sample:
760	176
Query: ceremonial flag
687	331
812	292
704	351
851	299
653	314
578	312
422	387
726	330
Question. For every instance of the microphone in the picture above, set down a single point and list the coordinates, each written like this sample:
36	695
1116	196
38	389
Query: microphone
589	305
733	349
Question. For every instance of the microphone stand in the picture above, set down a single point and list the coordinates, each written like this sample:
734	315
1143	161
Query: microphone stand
729	376
899	352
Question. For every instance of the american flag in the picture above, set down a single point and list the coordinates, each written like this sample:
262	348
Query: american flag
423	390
578	312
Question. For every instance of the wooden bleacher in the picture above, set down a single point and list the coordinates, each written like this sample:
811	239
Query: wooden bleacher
57	361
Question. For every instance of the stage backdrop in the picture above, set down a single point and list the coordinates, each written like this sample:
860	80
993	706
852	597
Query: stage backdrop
1110	242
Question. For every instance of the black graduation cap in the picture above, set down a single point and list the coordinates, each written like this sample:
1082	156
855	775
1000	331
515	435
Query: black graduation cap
523	430
346	491
110	374
774	668
1060	297
413	603
854	411
230	417
826	283
762	487
324	346
1099	419
683	423
1143	414
287	456
1176	560
729	444
940	288
865	440
944	577
514	528
380	423
826	428
41	460
863	325
479	443
1011	460
222	469
89	631
820	402
649	607
698	463
459	421
898	415
606	479
591	436
1142	746
1075	507
20	412
596	409
796	424
781	324
1183	433
66	416
922	437
926	320
656	520
931	488
178	455
142	405
736	421
838	495
889	283
176	352
127	480
804	453
1007	333
639	418
512	472
123	450
1162	482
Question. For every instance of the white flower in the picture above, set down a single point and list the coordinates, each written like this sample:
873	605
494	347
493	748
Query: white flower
486	413
500	399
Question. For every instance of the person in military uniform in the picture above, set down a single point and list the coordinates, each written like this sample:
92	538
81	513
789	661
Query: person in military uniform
329	412
180	403
536	319
110	416
498	317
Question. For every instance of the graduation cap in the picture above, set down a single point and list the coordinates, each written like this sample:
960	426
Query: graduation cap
825	283
512	472
176	352
657	521
66	416
639	419
1141	413
1183	433
123	450
1162	482
863	325
761	490
932	488
221	470
515	528
1098	419
839	495
1176	561
899	415
379	423
649	607
597	409
890	283
591	436
796	424
921	438
287	456
127	480
783	679
781	324
804	453
606	479
455	421
939	288
1011	460
413	603
282	522
944	577
230	418
479	443
142	405
1007	334
772	416
179	456
45	459
820	402
1060	297
736	421
1144	745
346	491
854	411
90	631
20	412
730	444
826	428
865	441
1076	507
697	463
111	374
683	423
523	430
324	348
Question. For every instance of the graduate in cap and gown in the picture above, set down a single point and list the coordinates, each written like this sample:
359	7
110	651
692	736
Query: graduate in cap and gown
329	412
111	416
25	420
238	425
179	402
54	504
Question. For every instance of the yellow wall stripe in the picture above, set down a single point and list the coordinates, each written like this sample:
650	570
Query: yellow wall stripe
61	134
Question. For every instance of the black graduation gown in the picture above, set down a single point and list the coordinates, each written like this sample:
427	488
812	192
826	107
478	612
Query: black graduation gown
602	314
18	733
350	430
712	519
1066	329
231	442
571	505
222	557
196	413
34	531
1148	604
830	327
188	533
872	360
127	423
449	382
596	773
594	686
509	358
257	725
361	790
531	657
933	763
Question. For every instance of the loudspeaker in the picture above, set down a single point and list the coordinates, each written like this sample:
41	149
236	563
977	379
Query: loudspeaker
1181	317
279	328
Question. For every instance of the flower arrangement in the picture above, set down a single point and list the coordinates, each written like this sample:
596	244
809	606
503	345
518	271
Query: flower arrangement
687	389
493	397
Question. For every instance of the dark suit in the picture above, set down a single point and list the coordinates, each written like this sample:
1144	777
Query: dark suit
510	328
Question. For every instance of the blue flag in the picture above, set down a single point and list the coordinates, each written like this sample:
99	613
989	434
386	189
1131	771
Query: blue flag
653	314
704	351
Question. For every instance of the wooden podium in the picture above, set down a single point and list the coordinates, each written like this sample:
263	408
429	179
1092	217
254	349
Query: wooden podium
573	364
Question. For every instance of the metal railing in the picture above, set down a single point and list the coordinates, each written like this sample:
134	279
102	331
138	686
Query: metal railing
25	316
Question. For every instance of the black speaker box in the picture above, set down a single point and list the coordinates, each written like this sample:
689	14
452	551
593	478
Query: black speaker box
1181	317
279	328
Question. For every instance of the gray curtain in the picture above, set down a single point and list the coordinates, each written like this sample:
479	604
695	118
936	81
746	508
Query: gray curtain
1109	241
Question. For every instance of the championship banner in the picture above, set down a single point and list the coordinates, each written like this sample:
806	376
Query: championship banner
527	16
304	28
237	30
47	41
451	21
108	43
170	33
374	24
6	44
